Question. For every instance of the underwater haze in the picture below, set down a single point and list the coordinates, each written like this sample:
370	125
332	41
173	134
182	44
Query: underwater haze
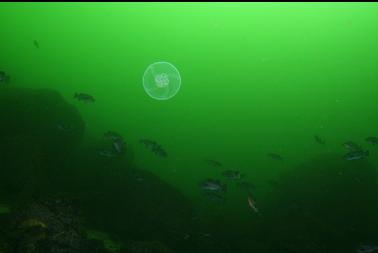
189	127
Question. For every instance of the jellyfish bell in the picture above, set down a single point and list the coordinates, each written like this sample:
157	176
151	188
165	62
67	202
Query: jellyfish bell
161	80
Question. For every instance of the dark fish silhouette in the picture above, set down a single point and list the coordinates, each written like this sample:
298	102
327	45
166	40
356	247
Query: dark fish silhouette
213	185
213	163
372	140
155	148
356	155
147	143
108	153
367	248
119	145
36	44
4	78
86	98
233	174
112	136
352	146
252	203
276	157
319	140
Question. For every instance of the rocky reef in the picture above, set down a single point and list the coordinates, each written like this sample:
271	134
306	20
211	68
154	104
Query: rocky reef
48	225
56	185
34	144
326	204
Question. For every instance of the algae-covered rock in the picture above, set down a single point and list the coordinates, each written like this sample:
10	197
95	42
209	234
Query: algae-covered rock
39	131
138	206
4	247
43	116
40	156
45	226
49	226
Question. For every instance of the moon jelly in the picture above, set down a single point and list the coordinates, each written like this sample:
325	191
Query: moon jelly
161	80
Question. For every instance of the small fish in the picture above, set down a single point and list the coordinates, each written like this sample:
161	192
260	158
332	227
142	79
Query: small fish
107	153
233	174
4	78
205	234
213	163
213	185
119	145
276	157
112	136
352	146
356	155
372	140
319	140
251	203
36	44
156	148
147	143
367	248
160	152
86	98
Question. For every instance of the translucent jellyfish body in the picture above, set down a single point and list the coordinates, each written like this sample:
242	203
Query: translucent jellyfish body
161	80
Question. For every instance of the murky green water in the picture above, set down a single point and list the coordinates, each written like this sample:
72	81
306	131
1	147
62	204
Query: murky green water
256	78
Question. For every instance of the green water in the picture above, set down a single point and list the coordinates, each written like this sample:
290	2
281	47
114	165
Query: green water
257	78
